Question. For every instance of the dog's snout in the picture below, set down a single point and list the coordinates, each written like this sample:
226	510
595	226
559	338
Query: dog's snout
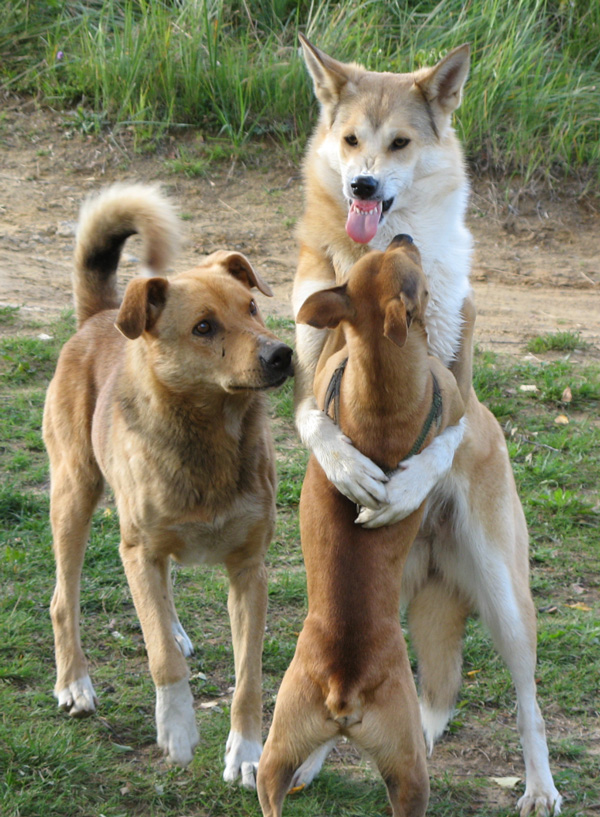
276	358
402	238
364	187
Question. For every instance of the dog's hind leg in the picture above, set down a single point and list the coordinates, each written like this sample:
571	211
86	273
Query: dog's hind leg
247	605
509	613
436	618
301	726
390	732
75	492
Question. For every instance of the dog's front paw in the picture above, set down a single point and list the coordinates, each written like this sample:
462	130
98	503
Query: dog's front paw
176	731
354	475
406	491
311	767
241	760
79	698
541	804
182	639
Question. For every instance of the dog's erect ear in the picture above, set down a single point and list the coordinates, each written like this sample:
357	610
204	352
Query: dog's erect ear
396	321
329	76
442	85
142	304
326	308
239	266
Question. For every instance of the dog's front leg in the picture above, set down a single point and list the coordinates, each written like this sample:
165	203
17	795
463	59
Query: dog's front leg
353	474
247	605
411	484
149	582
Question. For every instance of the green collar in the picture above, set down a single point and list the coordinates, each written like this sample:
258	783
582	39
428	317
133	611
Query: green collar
332	395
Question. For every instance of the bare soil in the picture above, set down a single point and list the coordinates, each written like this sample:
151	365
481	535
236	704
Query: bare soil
536	270
536	266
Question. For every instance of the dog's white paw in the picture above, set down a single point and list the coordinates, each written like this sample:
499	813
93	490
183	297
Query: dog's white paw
182	639
541	804
353	474
79	698
311	767
241	760
176	731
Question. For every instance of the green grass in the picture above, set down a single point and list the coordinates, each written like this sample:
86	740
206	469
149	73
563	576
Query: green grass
233	70
109	764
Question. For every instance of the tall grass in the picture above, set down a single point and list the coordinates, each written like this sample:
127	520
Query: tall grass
232	67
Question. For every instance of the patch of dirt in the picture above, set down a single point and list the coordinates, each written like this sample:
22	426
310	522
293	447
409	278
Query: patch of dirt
536	266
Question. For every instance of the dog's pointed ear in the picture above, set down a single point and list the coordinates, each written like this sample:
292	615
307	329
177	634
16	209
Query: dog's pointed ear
326	308
396	321
442	85
142	304
238	265
328	75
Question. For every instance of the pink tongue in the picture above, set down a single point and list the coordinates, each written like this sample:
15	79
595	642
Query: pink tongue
363	220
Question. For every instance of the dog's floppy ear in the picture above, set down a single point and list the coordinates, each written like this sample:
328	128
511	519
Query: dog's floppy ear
442	85
326	308
142	304
329	76
396	321
239	266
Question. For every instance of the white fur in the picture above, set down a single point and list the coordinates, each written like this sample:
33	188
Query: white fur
312	765
182	639
241	759
79	698
434	723
176	730
355	475
411	484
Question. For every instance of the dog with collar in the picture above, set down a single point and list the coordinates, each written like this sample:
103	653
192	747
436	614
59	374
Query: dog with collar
350	674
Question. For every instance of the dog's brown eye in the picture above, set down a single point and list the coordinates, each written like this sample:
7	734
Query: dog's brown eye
351	140
399	143
202	328
253	309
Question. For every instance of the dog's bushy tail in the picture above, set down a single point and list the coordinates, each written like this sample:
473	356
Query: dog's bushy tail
106	221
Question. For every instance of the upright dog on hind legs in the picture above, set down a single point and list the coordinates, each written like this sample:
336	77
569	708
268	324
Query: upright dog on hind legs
160	395
350	674
385	160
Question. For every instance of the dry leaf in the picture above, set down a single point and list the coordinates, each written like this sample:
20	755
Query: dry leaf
473	672
529	388
562	420
579	605
566	396
506	782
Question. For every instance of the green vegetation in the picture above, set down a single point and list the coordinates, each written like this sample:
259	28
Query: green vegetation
109	765
233	70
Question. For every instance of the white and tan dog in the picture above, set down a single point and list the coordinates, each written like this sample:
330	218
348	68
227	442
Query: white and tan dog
385	160
160	396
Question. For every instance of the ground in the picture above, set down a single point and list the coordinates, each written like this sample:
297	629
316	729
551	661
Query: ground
536	267
537	257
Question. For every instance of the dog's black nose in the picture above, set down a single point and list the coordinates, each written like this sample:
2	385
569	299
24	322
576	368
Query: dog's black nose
401	238
364	187
276	358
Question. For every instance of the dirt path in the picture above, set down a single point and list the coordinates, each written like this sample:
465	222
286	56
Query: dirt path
535	271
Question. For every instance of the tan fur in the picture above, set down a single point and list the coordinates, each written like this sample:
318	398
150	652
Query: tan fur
471	553
173	418
350	674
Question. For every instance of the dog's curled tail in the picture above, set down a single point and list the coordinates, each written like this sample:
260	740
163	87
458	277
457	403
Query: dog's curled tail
106	221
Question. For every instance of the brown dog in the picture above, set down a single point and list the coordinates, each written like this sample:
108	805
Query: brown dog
350	674
169	411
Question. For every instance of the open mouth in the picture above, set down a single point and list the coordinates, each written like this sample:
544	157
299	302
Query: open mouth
364	217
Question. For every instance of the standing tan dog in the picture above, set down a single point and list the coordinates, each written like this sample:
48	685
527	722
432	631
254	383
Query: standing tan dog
169	411
350	674
384	159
